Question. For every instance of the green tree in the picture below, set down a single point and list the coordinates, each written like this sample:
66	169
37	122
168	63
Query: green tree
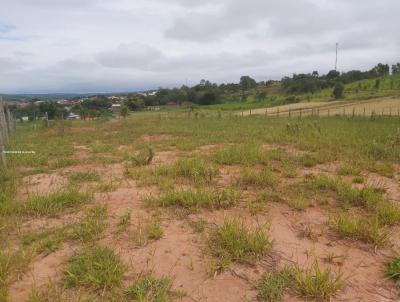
333	75
338	90
247	83
396	68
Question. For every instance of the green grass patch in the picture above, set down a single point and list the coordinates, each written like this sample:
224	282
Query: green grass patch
240	155
151	289
273	286
393	270
196	170
78	177
12	264
154	230
91	227
54	203
252	177
365	229
349	169
316	284
196	199
96	267
233	241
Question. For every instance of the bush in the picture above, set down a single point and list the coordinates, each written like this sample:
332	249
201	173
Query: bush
338	90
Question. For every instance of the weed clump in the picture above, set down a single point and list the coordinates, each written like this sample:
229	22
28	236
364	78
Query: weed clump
393	270
316	284
143	157
233	241
272	286
154	230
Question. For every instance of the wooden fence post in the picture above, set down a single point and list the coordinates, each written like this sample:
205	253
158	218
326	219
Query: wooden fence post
266	112
8	119
3	136
3	123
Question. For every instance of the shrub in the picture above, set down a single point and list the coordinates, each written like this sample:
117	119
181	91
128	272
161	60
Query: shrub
338	90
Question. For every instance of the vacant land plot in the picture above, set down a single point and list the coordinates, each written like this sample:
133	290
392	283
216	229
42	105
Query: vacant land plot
388	106
202	209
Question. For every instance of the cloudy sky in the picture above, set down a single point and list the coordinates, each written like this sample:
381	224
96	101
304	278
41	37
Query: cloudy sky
127	45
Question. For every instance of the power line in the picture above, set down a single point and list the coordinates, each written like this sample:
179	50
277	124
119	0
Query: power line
337	46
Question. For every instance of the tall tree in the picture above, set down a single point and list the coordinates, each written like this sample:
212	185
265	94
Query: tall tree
247	83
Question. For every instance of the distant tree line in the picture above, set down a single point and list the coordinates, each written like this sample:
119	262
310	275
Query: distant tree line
313	82
208	93
37	109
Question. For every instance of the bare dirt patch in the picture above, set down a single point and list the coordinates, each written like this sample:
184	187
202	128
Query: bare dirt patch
40	272
41	184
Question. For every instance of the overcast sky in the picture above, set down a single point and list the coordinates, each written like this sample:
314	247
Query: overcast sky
127	45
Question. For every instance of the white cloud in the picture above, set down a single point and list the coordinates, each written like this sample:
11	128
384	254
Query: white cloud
101	45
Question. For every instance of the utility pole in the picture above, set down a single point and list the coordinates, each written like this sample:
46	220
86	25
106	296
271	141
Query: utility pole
337	47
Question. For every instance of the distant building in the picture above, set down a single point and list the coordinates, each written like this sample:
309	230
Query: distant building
115	107
153	108
73	116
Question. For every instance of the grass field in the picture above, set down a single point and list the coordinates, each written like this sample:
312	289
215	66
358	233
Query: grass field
204	207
